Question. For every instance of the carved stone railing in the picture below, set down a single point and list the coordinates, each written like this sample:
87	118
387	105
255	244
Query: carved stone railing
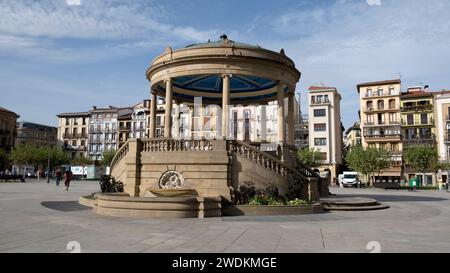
264	159
173	145
305	170
119	155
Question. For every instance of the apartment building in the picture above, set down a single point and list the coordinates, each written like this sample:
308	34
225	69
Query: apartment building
72	133
8	121
418	126
124	131
325	127
103	130
381	123
442	131
36	134
352	136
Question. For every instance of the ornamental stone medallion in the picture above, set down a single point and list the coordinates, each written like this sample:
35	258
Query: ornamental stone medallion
171	180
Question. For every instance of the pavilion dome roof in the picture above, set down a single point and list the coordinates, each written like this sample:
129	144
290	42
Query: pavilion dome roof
224	41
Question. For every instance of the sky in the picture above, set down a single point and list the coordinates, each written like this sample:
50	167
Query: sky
68	55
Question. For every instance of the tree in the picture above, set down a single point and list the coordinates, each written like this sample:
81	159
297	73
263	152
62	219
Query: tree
108	156
368	161
310	157
422	158
4	157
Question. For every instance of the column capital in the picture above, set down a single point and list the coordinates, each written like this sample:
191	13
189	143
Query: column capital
167	80
229	75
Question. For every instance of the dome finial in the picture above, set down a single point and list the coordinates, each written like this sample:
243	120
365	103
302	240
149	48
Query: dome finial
223	36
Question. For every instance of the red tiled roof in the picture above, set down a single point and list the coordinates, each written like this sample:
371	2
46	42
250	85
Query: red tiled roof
379	83
8	111
318	88
417	94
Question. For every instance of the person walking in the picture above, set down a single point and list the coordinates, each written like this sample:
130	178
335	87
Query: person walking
67	178
58	175
38	174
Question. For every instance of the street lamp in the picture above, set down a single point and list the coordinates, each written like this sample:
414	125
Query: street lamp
48	155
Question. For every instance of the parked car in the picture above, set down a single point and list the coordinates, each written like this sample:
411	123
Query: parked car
349	179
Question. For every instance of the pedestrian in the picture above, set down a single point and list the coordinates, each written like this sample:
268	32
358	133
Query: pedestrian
67	178
38	174
58	174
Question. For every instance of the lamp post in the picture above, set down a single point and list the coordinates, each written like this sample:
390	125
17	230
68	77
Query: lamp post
48	156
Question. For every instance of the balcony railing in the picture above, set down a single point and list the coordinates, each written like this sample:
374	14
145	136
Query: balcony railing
378	109
320	102
381	137
381	123
407	143
378	95
125	128
417	108
417	122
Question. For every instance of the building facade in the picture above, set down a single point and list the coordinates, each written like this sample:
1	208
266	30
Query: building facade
352	136
8	132
72	133
418	128
325	127
381	123
36	134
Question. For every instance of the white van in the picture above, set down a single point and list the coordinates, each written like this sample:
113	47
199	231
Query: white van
349	179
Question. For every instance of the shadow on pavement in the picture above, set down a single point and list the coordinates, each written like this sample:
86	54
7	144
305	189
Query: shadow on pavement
64	205
394	198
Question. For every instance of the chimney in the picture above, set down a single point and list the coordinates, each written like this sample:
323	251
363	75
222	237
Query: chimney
426	88
94	107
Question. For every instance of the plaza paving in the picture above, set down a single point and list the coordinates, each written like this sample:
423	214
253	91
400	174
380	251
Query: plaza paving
40	217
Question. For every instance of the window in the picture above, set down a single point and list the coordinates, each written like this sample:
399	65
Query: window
320	141
380	91
410	119
313	99
83	142
320	127
67	121
320	113
74	143
424	119
369	92
391	91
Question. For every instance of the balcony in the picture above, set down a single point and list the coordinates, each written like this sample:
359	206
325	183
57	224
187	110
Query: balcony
418	122
417	108
381	123
421	141
372	109
382	137
320	102
125	128
379	95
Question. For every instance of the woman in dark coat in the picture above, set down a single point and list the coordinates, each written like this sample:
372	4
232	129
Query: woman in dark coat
67	178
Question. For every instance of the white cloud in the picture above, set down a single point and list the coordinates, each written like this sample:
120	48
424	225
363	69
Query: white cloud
351	42
57	31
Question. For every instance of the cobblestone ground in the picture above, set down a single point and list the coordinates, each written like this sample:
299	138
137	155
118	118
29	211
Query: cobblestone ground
40	217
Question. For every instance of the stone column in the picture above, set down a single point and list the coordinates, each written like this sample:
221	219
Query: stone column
168	114
225	103
153	102
133	167
281	121
177	120
290	119
264	122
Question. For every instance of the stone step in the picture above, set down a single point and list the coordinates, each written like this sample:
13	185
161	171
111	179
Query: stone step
355	208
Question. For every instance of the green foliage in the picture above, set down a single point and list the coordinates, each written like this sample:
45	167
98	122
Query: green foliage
81	161
4	157
109	184
368	161
25	154
264	200
310	157
296	202
422	158
108	156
